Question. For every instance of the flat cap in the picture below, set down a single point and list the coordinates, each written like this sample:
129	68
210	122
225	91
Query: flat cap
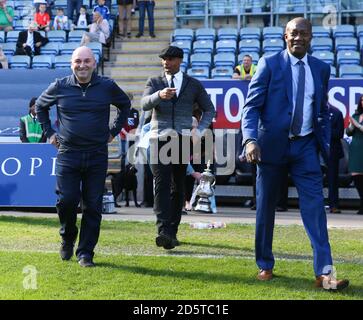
171	52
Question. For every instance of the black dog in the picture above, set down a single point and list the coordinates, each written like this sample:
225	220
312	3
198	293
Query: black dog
124	180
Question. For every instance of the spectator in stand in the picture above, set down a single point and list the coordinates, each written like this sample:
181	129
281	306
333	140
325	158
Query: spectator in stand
355	130
99	30
73	5
48	3
30	129
124	17
6	16
336	153
128	131
246	70
102	9
3	59
30	41
82	19
42	18
60	20
149	6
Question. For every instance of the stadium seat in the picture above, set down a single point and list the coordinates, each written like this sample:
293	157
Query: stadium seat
217	7
9	48
12	36
57	36
203	46
42	62
273	45
333	72
227	34
19	62
226	46
272	32
350	71
250	33
51	48
201	60
68	47
284	6
255	57
185	62
251	45
344	30
63	4
2	36
346	43
322	44
199	72
62	62
326	56
224	59
183	34
205	34
20	25
96	48
222	73
298	6
348	57
186	45
360	31
321	32
75	36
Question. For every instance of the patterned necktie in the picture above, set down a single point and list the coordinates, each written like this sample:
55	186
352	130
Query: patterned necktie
299	106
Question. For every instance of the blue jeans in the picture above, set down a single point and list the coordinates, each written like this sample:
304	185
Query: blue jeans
81	176
71	6
149	6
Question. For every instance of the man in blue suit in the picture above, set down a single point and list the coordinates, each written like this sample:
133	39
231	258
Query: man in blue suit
285	123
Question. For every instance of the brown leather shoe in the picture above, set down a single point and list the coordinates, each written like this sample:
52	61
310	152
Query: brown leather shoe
264	275
328	283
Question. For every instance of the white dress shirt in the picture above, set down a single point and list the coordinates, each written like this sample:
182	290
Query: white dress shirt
178	80
307	126
30	40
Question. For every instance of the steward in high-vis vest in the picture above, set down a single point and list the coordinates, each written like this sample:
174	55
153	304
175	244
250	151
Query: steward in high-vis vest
30	128
246	70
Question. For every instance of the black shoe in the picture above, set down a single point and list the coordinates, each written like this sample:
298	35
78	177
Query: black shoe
152	35
360	212
66	250
253	207
163	240
175	242
86	262
139	35
281	209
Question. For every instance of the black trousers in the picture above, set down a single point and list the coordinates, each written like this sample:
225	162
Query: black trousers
169	190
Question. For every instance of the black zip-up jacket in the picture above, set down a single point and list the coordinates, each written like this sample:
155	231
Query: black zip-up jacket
83	114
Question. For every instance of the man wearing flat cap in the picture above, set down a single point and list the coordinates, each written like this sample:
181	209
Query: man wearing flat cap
170	97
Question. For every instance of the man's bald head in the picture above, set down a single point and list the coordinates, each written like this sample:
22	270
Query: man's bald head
298	34
83	64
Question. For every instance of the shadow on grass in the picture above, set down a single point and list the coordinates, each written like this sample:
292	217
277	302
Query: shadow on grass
48	222
280	281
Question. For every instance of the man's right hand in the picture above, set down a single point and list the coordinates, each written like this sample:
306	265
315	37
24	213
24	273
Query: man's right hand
54	140
167	93
253	152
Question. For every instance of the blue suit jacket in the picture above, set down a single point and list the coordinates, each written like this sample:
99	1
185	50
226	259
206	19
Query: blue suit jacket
267	113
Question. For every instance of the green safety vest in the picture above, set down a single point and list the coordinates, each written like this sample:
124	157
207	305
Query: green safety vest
243	73
33	129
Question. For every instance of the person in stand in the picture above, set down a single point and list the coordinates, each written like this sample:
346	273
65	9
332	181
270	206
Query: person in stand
83	102
246	70
30	129
285	123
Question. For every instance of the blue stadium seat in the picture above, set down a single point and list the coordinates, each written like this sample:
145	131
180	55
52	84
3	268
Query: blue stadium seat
222	73
201	60
19	62
360	31
42	62
62	62
199	72
226	46
57	36
20	25
203	46
63	4
51	48
344	30
251	45
348	57
183	34
186	45
298	6
346	43
21	4
321	32
75	35
96	48
12	36
68	47
322	44
2	36
255	57
273	45
227	34
284	6
9	48
333	72
272	32
350	71
225	59
185	62
250	33
205	34
326	56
